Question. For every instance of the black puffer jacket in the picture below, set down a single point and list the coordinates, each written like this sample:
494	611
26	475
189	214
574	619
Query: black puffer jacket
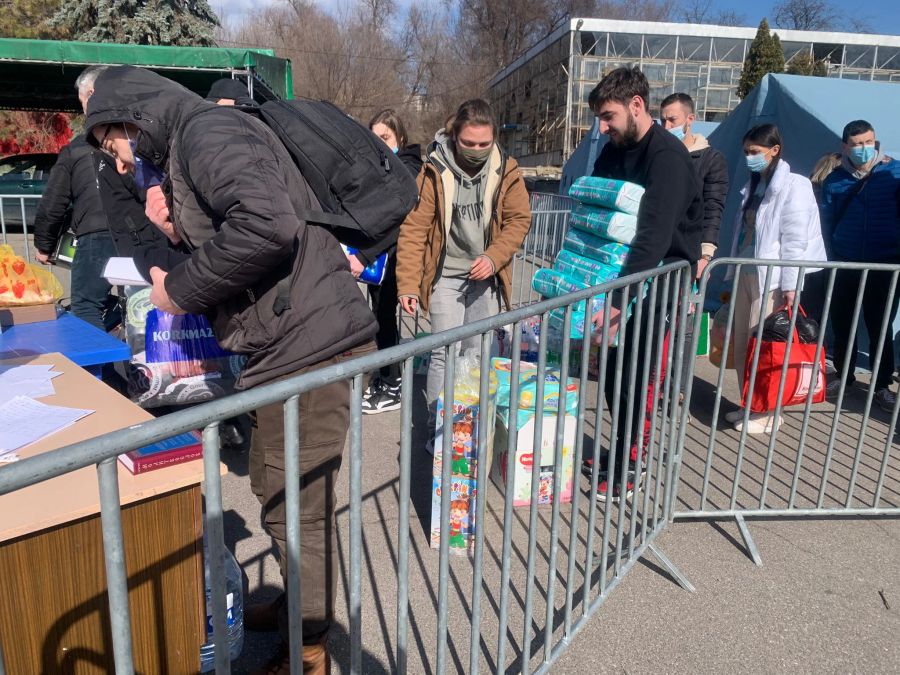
274	287
72	181
712	170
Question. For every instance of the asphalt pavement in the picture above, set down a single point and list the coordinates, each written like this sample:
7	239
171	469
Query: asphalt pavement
826	598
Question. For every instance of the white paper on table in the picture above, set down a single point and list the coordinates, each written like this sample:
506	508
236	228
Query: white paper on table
24	420
16	373
29	388
123	272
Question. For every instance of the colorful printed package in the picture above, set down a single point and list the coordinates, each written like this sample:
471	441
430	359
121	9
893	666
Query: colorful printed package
613	225
525	456
175	358
465	417
609	193
528	381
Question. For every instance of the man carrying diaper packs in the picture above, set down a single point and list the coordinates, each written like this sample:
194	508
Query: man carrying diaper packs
669	229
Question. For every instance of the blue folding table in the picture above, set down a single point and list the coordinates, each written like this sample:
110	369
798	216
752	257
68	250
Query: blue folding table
75	339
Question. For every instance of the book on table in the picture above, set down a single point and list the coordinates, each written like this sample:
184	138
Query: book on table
176	450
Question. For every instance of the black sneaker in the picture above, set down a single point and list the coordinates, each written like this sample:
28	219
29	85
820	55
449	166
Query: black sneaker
833	387
885	399
381	400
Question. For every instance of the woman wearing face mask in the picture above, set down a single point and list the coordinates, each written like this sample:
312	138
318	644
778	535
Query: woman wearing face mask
384	392
779	220
455	247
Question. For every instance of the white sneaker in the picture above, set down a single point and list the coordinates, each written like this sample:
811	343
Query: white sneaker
734	416
760	423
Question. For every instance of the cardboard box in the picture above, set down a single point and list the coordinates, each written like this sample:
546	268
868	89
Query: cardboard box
465	420
524	459
16	316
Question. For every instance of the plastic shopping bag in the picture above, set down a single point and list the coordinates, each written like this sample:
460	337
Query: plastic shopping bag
772	355
175	359
22	283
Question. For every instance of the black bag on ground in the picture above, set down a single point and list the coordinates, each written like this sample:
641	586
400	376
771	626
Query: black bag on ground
777	327
364	190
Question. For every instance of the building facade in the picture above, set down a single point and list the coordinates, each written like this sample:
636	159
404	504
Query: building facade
541	98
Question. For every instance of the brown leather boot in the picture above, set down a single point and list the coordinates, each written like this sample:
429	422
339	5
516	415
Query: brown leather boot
316	661
262	617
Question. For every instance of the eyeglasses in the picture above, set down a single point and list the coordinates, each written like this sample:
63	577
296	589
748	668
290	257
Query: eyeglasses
105	134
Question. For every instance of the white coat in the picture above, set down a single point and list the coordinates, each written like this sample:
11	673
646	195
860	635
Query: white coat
787	227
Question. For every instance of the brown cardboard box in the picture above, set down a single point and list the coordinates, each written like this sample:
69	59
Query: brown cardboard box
14	316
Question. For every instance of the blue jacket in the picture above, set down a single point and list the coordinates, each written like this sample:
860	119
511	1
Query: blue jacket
869	230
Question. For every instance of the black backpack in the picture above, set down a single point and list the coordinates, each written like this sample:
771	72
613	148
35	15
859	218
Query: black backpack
364	190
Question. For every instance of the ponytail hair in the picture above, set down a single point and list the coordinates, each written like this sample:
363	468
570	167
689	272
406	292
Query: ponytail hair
476	112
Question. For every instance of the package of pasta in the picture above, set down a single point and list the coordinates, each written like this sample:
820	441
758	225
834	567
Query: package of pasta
175	359
596	248
606	223
614	194
585	270
22	283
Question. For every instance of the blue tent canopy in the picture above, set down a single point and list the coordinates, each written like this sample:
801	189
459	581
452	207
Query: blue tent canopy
810	113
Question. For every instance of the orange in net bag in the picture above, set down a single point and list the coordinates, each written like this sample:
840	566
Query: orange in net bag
22	283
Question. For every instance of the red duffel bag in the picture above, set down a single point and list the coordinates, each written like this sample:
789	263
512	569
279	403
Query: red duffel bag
772	353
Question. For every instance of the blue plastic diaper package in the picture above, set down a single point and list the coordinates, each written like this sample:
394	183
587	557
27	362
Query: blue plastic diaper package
608	192
612	225
595	248
528	381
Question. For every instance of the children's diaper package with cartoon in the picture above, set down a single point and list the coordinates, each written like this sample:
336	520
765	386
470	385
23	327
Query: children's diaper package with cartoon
519	421
463	419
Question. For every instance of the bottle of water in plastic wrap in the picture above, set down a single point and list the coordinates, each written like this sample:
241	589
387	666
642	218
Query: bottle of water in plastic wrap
234	603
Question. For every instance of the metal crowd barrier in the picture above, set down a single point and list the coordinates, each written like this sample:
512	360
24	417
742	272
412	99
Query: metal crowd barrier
16	217
586	547
827	459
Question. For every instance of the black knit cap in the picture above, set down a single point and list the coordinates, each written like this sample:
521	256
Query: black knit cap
226	88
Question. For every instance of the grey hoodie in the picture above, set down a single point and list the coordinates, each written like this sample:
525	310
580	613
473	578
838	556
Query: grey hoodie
467	238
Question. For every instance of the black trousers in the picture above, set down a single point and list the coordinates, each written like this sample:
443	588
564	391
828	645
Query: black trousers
635	400
384	306
875	304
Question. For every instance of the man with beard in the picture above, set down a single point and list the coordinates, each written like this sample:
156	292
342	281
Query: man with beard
669	225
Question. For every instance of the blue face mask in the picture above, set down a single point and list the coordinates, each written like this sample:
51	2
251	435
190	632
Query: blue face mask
861	155
756	163
678	132
146	174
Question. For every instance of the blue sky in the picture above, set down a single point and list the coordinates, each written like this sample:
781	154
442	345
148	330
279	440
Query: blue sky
882	15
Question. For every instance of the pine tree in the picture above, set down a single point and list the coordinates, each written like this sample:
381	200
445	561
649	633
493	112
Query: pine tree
29	19
806	64
143	22
764	56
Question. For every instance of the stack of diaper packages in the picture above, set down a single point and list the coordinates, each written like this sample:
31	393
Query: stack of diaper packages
601	228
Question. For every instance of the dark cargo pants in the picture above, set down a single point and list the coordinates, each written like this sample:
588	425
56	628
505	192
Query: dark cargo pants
324	421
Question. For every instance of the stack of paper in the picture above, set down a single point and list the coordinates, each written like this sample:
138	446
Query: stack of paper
30	381
123	272
26	421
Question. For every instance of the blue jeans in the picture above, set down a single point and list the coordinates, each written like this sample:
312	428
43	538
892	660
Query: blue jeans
91	298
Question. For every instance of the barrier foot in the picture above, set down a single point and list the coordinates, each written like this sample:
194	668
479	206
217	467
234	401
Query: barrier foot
673	571
748	540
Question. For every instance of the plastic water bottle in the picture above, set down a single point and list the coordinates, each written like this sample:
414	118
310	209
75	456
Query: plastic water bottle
234	603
